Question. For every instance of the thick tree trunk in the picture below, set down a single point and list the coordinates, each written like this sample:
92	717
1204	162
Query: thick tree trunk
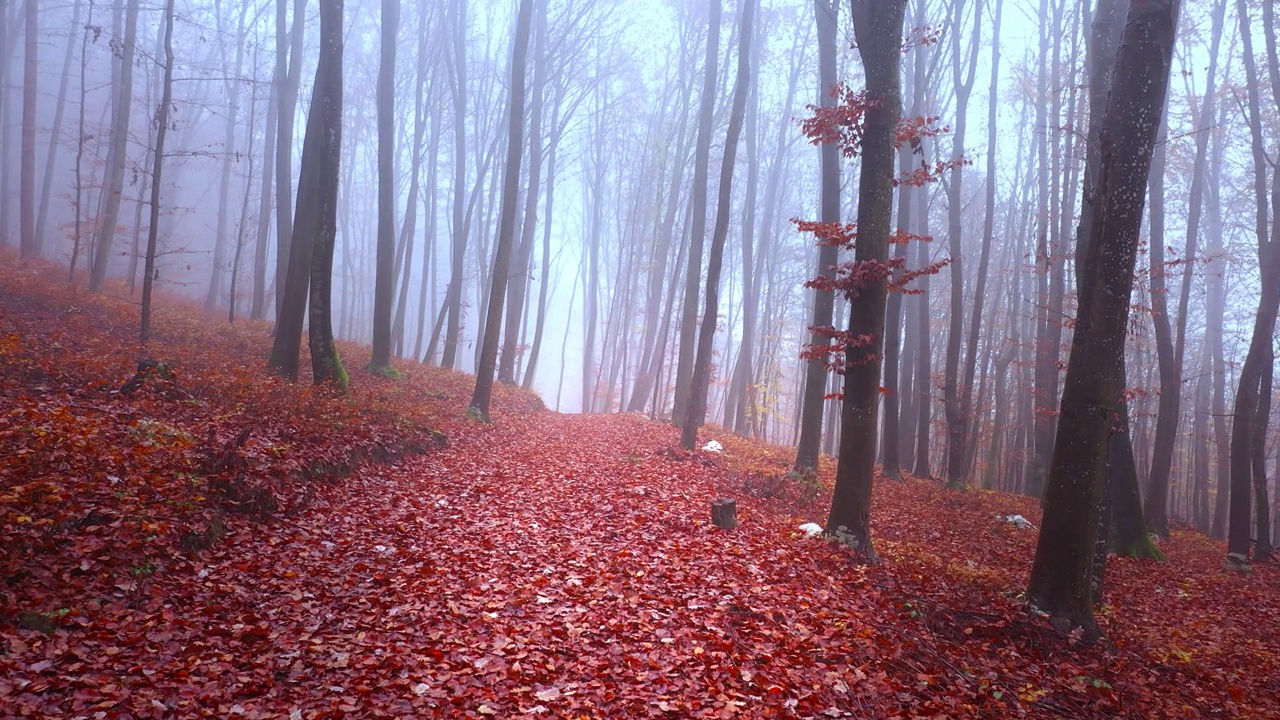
315	219
1061	574
877	26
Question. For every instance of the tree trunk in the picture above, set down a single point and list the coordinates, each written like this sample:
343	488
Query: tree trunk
229	157
1155	507
288	76
258	309
31	243
315	219
458	251
326	107
518	286
117	151
162	131
693	272
956	399
877	26
1061	574
815	371
697	404
487	365
384	285
1251	377
46	189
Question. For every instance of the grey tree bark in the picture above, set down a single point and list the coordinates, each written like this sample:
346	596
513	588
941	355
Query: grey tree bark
1061	574
877	26
384	278
693	272
117	150
481	397
812	403
697	403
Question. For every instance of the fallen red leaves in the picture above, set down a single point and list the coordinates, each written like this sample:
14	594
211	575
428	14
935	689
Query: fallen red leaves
543	566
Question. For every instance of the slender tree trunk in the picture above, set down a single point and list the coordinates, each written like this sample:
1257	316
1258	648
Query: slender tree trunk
956	399
50	163
117	150
518	285
693	273
31	242
288	76
1248	399
229	158
487	366
81	142
258	309
1156	507
544	285
458	252
157	167
697	404
385	280
815	369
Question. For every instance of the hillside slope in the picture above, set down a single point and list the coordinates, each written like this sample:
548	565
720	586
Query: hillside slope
198	548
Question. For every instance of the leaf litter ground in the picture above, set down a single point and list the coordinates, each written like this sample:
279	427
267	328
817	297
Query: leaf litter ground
543	566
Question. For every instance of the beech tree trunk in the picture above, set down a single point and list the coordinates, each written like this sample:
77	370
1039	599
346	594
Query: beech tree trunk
487	366
384	269
157	167
326	103
117	150
30	93
51	156
308	282
815	371
697	404
1244	433
877	26
1061	575
693	272
458	249
956	398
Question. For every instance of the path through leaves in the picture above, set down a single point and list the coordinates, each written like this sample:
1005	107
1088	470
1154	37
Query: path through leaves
543	566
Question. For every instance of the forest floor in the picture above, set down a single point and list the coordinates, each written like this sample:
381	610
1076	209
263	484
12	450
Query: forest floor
220	543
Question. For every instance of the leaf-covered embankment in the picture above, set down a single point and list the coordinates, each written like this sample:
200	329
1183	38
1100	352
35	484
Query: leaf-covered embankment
541	566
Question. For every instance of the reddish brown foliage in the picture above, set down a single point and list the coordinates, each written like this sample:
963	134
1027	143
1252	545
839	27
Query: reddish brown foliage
545	565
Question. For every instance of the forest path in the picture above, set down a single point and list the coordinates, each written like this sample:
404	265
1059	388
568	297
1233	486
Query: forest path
552	564
555	565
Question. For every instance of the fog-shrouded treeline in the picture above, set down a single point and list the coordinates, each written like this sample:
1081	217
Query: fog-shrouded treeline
640	236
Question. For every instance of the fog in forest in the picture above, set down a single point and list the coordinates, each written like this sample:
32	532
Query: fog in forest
626	126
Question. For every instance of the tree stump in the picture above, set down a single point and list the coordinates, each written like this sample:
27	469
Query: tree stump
724	513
